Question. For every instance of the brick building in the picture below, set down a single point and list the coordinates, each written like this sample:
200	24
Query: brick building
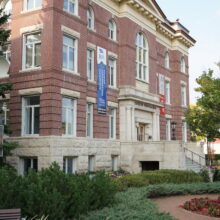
53	108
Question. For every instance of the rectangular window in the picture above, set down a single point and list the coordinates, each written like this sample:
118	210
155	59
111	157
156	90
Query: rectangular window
168	130
112	72
183	95
141	132
71	6
31	115
7	52
28	163
69	54
68	116
3	113
112	123
91	163
32	4
32	51
89	120
167	92
114	162
90	64
70	165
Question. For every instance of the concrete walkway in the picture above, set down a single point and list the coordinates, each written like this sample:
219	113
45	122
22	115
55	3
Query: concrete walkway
171	205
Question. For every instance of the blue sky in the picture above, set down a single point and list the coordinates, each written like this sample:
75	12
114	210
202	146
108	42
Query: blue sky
202	18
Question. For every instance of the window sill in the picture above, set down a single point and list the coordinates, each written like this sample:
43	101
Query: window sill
68	136
70	71
113	87
114	41
141	80
91	81
31	10
91	29
72	14
29	70
30	135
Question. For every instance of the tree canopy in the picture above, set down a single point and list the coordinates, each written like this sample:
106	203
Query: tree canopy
204	118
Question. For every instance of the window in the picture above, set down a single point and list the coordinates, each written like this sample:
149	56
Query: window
167	60
184	131
112	72
114	162
28	163
71	6
90	64
68	116
32	51
32	4
168	138
31	115
112	123
69	54
70	165
90	18
89	120
167	92
182	65
3	113
7	52
141	132
91	163
183	95
112	30
142	58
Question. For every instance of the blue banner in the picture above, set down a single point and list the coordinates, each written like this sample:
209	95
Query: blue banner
102	81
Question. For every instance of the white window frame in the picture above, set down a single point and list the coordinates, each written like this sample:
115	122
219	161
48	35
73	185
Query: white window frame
74	109
24	106
91	163
89	116
142	50
32	9
90	18
90	58
22	171
112	65
183	95
33	52
76	6
168	129
74	164
112	126
112	30
167	60
4	110
167	92
184	131
114	163
182	65
75	48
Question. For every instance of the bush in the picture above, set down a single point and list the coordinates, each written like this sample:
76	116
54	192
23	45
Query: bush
205	175
53	193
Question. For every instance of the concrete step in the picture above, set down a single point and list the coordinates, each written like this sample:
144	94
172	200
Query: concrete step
192	165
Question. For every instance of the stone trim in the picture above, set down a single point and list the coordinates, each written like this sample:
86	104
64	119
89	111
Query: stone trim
91	100
113	104
70	93
70	31
183	83
91	46
37	27
112	55
32	91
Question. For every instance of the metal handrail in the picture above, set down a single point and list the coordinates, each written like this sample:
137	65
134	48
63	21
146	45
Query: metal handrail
192	158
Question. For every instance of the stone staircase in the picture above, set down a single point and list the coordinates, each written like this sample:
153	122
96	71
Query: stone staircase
194	161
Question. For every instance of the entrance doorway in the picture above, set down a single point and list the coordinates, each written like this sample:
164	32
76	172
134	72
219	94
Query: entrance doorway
149	165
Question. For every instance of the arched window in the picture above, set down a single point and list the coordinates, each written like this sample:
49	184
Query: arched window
142	57
167	60
182	65
112	30
90	18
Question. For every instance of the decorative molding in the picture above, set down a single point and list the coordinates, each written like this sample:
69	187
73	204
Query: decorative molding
113	104
91	46
70	31
91	100
70	93
113	55
37	27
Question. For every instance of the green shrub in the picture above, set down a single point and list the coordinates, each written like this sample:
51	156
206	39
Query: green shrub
205	175
55	194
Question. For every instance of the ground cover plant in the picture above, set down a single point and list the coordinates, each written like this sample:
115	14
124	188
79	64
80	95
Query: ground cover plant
50	192
203	206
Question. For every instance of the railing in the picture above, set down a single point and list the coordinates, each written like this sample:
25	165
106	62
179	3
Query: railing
195	157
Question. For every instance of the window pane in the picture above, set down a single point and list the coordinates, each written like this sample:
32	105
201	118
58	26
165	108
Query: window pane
33	38
37	54
70	121
27	164
64	120
28	120
69	165
29	52
71	7
65	5
68	41
35	164
34	100
65	48
71	59
36	120
140	71
30	4
38	3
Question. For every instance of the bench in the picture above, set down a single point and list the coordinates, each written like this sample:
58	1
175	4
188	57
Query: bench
10	214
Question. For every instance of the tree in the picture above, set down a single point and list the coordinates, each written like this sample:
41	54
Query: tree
204	118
